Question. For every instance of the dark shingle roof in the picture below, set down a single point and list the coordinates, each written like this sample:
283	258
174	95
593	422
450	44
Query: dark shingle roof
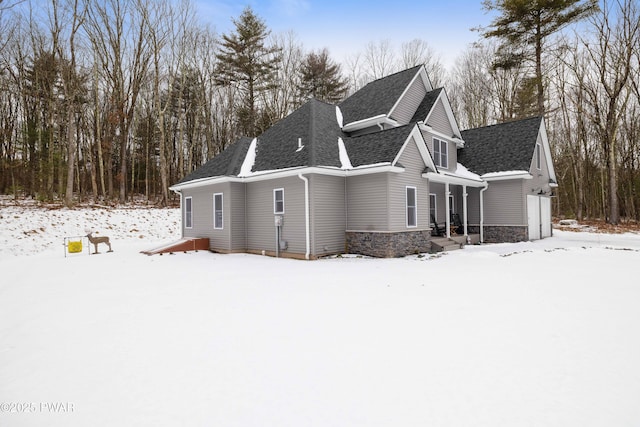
378	147
377	97
426	105
316	124
499	148
227	163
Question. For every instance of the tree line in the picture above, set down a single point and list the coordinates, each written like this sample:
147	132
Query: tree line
118	99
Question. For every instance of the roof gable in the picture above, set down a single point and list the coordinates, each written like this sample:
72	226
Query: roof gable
503	147
377	97
416	137
411	97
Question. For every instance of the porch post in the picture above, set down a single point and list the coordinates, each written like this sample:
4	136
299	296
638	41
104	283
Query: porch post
446	209
464	208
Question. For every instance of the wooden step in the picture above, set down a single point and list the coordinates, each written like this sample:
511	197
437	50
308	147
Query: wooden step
182	245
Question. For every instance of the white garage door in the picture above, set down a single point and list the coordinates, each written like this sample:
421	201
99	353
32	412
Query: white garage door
539	215
545	216
533	212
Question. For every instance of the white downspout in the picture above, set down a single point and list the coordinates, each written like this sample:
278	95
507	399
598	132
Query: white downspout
306	214
464	208
486	185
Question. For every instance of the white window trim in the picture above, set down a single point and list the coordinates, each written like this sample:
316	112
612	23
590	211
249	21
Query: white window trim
275	210
188	213
538	156
434	207
221	211
438	159
415	207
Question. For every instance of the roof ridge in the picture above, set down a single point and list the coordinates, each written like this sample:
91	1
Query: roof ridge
397	72
506	123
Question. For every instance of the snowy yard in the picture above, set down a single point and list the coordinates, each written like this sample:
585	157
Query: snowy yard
544	333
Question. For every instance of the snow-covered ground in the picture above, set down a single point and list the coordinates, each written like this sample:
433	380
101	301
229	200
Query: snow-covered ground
530	334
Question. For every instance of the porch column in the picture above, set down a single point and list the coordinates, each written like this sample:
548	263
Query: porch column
464	208
446	209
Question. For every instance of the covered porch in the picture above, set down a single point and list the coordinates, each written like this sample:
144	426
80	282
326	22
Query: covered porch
456	205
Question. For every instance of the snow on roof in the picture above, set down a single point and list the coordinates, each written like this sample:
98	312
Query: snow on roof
249	160
345	162
373	165
339	117
504	174
463	172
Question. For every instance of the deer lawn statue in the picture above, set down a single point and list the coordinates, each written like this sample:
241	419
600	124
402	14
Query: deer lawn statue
96	240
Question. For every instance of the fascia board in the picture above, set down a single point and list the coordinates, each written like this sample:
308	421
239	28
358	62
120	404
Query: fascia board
457	180
265	176
518	175
547	150
370	121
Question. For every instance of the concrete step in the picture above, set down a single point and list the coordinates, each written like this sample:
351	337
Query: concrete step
442	244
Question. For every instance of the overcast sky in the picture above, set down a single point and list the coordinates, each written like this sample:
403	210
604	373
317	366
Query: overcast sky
345	27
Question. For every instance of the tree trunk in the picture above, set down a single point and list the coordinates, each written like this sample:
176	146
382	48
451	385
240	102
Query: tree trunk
71	157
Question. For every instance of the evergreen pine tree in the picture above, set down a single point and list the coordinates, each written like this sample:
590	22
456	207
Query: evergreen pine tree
321	78
524	25
244	59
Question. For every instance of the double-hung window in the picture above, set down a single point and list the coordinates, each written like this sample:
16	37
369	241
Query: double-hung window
412	207
218	218
188	212
278	201
440	153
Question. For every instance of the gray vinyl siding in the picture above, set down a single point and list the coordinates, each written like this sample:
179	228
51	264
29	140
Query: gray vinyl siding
367	203
406	108
202	206
439	120
328	220
504	203
237	216
398	182
261	231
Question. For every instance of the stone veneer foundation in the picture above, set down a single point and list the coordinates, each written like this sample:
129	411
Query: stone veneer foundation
504	233
387	244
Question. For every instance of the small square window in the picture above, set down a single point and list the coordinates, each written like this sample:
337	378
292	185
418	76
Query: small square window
278	201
